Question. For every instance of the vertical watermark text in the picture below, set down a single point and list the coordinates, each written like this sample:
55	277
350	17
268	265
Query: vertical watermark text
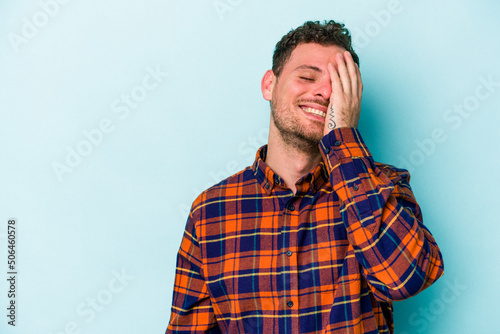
12	276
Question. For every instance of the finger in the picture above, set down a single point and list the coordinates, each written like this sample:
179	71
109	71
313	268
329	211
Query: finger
344	74
353	72
360	82
334	77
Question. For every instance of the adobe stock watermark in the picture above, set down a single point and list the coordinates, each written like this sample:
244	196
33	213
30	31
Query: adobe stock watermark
381	19
246	152
422	318
97	302
121	108
31	26
453	117
223	6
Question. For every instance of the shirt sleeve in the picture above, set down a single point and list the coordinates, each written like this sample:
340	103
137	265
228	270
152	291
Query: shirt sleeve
398	254
192	311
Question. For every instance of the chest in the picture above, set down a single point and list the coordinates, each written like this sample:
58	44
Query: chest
270	246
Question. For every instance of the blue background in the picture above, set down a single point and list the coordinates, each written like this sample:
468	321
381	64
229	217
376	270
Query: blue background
119	210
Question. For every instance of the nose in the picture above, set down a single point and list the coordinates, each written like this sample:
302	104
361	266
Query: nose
323	88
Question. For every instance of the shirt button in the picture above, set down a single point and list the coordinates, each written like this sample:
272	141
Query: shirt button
291	208
267	186
327	150
289	253
355	187
337	143
289	303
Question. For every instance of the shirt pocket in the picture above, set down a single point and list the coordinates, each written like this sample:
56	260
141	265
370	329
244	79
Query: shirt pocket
323	253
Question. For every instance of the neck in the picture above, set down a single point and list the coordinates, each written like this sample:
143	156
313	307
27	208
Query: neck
289	162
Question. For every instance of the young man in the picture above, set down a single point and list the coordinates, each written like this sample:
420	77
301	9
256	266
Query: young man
315	237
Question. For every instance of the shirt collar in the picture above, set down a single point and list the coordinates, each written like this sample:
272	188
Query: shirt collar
269	180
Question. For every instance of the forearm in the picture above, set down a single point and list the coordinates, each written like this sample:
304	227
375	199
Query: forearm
398	254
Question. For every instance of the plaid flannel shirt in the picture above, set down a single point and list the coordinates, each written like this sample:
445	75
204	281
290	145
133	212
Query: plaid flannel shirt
255	258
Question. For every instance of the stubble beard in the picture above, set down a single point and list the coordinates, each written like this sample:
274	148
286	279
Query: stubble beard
292	131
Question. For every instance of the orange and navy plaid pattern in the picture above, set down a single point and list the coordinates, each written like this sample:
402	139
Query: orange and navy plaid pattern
255	258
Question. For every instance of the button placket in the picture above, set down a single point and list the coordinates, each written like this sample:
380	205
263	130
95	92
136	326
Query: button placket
293	213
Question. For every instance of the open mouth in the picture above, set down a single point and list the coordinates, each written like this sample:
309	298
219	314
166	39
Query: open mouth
313	111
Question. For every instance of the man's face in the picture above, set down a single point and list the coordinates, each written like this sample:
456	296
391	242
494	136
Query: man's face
301	95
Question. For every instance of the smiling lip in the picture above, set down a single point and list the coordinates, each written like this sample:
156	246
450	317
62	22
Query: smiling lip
315	111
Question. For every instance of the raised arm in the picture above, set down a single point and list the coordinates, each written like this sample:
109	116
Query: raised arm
398	254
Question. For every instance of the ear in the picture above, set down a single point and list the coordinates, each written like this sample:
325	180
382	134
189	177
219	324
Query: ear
267	85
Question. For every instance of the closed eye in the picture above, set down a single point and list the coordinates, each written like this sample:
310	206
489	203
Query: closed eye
307	79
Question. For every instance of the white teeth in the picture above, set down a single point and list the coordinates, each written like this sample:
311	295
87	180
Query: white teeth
315	111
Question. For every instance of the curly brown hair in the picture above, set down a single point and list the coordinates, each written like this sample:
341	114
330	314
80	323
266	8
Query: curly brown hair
327	33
